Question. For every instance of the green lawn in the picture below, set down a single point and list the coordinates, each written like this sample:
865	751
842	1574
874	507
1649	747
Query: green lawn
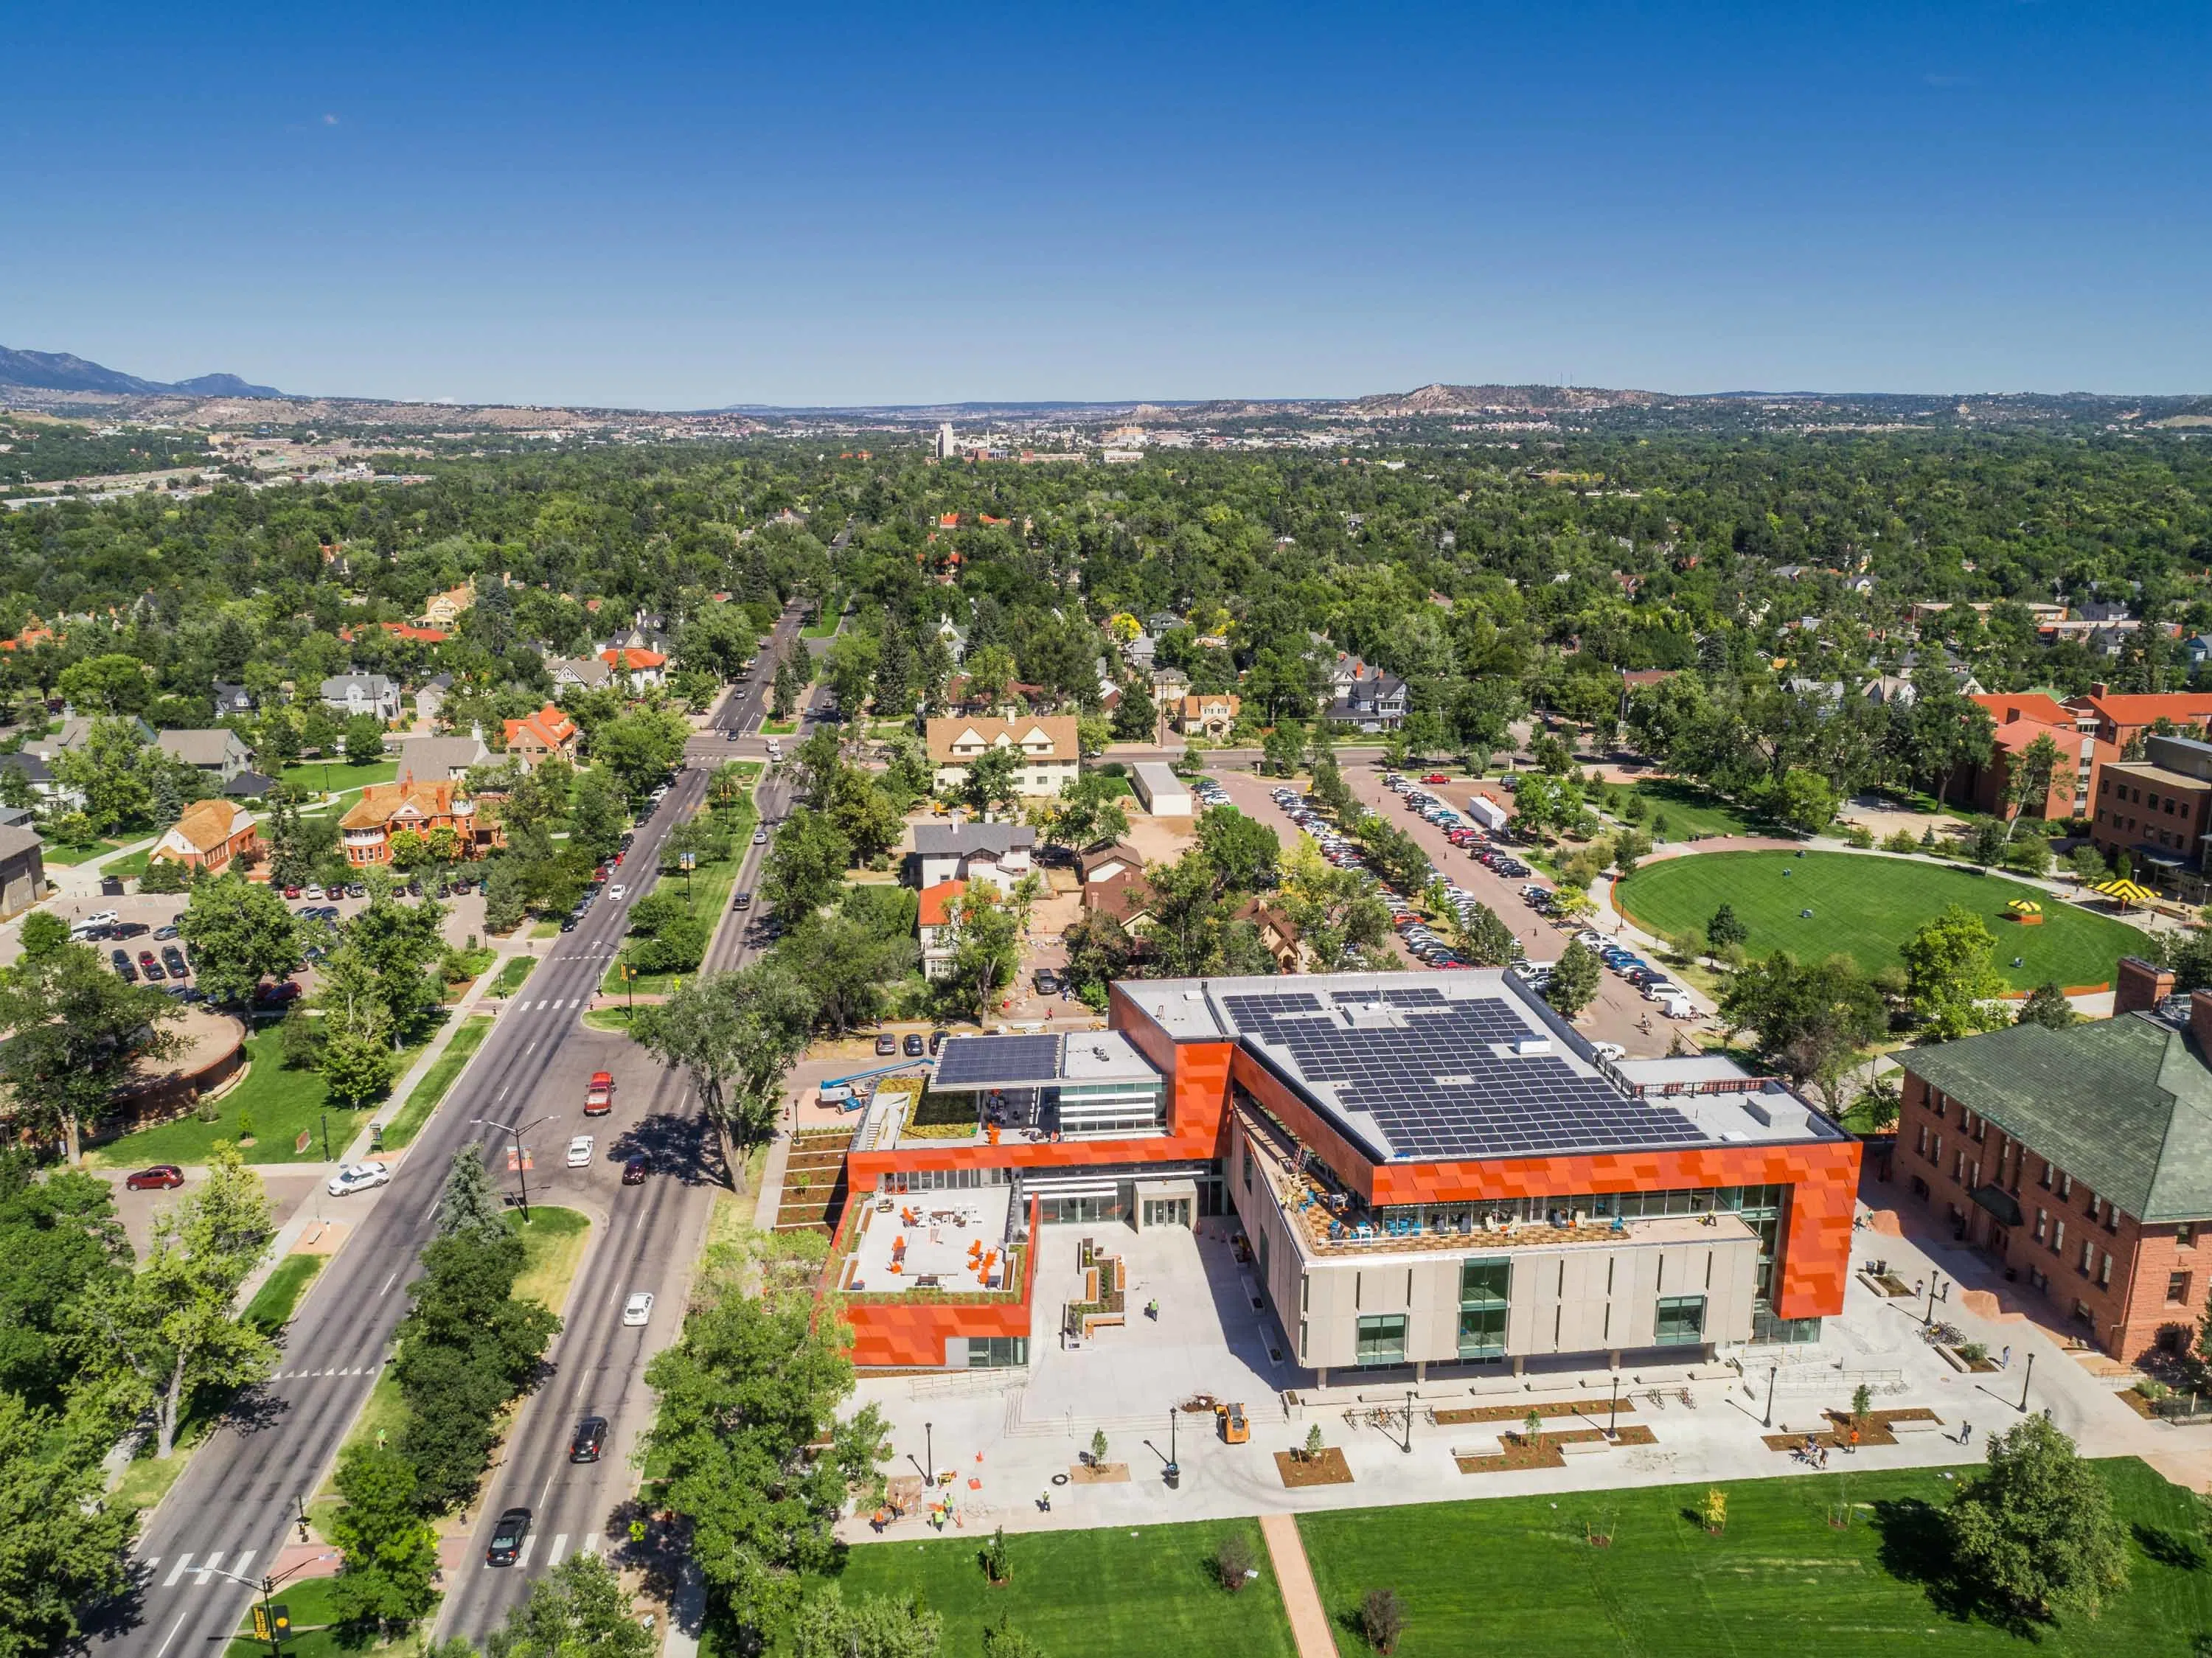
1688	809
826	623
1075	1593
711	886
1515	1575
779	727
280	1292
337	777
408	1120
1866	907
281	1103
57	856
314	1635
552	1247
511	976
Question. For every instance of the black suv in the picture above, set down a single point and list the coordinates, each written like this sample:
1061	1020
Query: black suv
507	1538
914	1045
591	1436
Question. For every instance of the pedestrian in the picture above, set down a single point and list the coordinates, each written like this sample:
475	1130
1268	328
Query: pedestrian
2004	1361
1823	1462
1965	1433
1852	1448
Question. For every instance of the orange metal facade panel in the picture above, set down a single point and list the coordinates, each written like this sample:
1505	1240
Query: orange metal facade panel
911	1335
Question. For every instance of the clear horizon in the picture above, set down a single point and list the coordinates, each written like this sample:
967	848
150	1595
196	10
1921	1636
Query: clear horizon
681	209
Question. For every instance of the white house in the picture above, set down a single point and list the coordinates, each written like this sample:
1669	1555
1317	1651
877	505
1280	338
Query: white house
999	854
350	694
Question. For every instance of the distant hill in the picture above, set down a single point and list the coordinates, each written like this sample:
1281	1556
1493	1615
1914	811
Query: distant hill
59	371
1474	399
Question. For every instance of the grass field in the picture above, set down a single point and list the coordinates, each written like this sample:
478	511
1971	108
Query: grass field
270	1310
335	778
54	853
1515	1575
1866	907
281	1103
1688	809
711	885
408	1120
1076	1593
511	976
307	1603
553	1245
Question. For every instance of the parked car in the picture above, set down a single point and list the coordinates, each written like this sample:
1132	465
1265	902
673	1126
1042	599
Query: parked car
173	959
152	968
357	1177
507	1536
589	1439
160	1178
638	1308
1046	980
579	1151
937	1041
911	1045
886	1047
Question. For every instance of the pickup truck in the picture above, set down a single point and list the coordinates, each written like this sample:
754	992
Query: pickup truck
600	1093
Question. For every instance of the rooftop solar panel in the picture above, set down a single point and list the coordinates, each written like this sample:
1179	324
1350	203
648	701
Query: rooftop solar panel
991	1061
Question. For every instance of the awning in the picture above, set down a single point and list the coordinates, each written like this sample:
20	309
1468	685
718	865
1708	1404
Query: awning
2000	1203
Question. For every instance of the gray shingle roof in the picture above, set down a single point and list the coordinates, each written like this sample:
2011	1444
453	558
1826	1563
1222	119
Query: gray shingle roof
954	840
2124	1105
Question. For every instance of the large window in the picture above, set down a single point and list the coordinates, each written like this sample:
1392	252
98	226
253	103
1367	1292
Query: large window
997	1352
1484	1283
1482	1331
1382	1339
1681	1320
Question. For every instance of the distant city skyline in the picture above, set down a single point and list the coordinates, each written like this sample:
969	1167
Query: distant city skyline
664	209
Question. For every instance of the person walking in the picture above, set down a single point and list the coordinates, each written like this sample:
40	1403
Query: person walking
1965	1433
1851	1448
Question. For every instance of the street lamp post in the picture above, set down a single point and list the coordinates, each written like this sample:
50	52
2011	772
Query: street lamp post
521	1152
266	1586
2024	1381
1613	1411
1408	1447
929	1451
1772	1371
326	1137
1934	1279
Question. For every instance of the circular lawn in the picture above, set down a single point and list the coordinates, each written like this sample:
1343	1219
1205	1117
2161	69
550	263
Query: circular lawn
1866	908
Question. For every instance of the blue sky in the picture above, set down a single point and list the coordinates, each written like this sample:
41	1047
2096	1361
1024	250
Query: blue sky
685	206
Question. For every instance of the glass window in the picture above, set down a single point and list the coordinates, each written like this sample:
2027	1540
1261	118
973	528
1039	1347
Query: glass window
2177	1286
1484	1283
997	1352
1482	1331
1382	1339
1681	1320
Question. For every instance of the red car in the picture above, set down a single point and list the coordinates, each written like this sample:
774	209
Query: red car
600	1093
158	1178
291	892
1435	777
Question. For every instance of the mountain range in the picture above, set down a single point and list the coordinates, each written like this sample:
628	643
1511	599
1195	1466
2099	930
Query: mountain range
60	371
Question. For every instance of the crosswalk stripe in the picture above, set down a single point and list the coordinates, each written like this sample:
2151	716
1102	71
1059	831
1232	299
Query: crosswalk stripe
176	1572
590	1544
559	1550
149	1566
523	1559
243	1561
207	1567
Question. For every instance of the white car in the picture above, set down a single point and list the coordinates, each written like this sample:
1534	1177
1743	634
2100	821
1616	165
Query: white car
638	1308
100	918
579	1151
617	892
1609	1050
357	1177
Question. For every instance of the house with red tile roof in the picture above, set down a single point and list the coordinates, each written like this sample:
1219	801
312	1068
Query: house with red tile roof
642	669
935	923
2120	718
549	734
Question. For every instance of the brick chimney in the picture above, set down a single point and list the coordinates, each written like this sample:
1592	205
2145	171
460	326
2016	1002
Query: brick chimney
2141	986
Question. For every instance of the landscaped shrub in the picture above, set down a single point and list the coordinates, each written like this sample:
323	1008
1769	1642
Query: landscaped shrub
1233	1558
1381	1619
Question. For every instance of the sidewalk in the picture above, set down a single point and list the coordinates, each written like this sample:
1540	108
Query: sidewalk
1294	1576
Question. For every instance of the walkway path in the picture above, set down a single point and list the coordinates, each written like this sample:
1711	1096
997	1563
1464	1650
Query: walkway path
1310	1625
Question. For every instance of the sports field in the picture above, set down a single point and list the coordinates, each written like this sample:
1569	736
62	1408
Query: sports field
1866	907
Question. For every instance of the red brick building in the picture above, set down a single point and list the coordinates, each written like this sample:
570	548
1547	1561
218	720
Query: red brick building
2080	1160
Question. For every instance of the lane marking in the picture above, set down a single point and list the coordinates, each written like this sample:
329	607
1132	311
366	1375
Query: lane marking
176	1572
172	1635
389	1282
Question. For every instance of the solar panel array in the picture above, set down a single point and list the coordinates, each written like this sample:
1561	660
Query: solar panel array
1438	1088
986	1061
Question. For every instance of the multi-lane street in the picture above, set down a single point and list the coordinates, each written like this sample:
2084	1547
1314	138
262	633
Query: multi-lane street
231	1512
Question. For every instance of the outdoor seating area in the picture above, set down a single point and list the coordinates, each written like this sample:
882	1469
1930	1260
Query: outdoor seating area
952	1242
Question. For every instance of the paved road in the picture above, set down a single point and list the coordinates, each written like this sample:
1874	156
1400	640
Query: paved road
230	1510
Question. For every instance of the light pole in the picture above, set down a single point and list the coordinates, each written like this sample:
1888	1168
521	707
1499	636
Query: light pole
2024	1381
1934	1279
266	1586
1613	1411
326	1137
1408	1446
929	1451
521	1152
1772	1371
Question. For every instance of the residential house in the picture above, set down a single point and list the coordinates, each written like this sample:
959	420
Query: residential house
75	730
233	701
549	734
585	673
430	696
22	869
954	638
936	922
1001	854
1633	680
1169	685
1047	745
248	786
217	751
1890	689
1208	713
39	777
350	694
386	809
638	669
1368	700
2158	809
1277	931
450	757
2079	1161
210	834
1140	653
444	610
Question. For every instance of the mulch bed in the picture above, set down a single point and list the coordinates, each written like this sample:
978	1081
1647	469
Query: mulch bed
1543	1452
2136	1402
1520	1412
1874	1429
1099	1473
1329	1468
1890	1285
